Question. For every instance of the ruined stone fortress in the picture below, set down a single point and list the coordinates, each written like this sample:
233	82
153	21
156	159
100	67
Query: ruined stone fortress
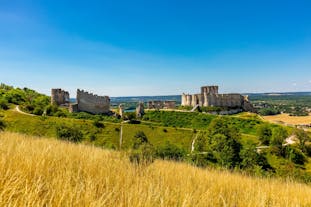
209	96
85	102
59	97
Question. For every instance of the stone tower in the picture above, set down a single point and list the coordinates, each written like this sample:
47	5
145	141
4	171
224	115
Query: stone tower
59	96
121	110
140	110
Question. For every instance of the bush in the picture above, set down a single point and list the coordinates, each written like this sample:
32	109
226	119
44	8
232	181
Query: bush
98	124
130	115
38	111
303	138
2	125
223	143
251	159
139	139
142	151
170	152
4	104
225	150
279	134
51	110
268	111
69	133
201	160
294	155
308	150
264	134
144	154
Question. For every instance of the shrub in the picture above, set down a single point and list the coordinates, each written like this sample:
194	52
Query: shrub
38	111
69	133
251	159
142	151
170	151
223	143
130	115
201	159
4	104
225	150
92	137
268	111
144	154
264	134
139	139
303	137
294	155
51	110
98	124
279	134
2	125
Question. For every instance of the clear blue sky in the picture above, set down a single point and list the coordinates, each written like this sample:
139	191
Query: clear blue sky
123	48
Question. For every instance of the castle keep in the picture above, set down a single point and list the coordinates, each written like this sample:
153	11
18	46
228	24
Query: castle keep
209	96
59	97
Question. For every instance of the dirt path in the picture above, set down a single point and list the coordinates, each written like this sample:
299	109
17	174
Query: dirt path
21	112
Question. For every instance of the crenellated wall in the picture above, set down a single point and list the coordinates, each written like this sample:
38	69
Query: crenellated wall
91	103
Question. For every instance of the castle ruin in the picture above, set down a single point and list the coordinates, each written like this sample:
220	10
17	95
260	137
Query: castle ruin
59	97
140	110
209	96
161	105
88	102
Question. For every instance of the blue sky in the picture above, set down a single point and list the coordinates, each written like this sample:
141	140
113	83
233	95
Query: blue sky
128	48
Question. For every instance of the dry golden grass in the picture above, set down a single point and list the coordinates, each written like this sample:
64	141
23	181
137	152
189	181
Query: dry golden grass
285	118
45	172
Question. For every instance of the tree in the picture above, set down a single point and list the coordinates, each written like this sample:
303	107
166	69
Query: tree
225	150
139	139
142	151
279	134
67	133
4	104
251	158
223	143
170	151
303	137
294	155
264	133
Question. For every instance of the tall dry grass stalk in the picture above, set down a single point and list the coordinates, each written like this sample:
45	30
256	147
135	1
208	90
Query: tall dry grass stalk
45	172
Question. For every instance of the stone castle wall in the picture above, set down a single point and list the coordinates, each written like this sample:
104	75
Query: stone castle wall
161	104
59	96
91	103
209	97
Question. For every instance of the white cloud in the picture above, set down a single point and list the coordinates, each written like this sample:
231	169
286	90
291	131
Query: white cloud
294	84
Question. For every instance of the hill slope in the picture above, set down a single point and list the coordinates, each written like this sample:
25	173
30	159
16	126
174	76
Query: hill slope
40	172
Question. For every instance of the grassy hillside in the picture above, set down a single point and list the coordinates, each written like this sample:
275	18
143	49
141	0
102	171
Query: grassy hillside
46	172
196	120
107	137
